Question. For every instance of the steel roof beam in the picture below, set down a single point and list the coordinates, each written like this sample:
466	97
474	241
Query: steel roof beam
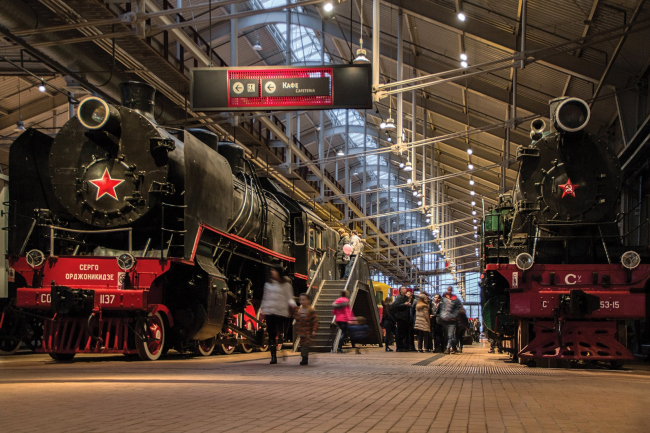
492	36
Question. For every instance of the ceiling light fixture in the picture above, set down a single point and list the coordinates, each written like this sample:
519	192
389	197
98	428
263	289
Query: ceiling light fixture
409	180
41	88
471	181
361	57
340	152
463	56
382	125
461	16
470	151
473	212
328	7
473	203
463	64
20	126
472	193
390	140
361	53
419	202
401	165
415	193
257	46
408	166
470	166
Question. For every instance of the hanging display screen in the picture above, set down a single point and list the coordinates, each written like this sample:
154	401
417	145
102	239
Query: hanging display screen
281	88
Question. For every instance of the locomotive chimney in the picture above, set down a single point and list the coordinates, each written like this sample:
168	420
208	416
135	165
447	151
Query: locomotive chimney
139	96
537	129
568	114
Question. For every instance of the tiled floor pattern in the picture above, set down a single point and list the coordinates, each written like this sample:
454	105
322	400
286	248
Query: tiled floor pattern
374	391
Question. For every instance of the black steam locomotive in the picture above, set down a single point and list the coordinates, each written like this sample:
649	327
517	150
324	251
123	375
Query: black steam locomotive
127	238
557	282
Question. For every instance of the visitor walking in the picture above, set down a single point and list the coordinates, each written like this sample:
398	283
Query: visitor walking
342	317
422	322
306	326
277	306
342	259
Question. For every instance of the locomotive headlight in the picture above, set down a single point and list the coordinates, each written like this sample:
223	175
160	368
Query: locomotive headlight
630	260
96	115
126	262
524	261
571	115
35	258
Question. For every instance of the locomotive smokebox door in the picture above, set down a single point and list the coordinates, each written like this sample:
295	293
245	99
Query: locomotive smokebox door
577	178
103	168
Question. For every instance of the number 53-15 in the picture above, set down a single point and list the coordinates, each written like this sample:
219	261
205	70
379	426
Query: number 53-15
609	304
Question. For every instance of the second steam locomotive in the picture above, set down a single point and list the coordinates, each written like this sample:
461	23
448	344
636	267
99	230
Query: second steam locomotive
128	238
558	282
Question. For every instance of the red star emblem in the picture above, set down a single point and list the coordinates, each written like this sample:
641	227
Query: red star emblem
106	185
569	188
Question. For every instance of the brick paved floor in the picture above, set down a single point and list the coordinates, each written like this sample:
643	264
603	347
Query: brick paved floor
375	391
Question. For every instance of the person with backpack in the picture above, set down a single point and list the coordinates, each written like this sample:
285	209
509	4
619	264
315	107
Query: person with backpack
447	316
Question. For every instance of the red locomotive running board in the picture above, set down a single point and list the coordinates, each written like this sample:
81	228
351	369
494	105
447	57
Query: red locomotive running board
621	292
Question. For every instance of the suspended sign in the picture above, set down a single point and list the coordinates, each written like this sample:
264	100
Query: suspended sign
281	88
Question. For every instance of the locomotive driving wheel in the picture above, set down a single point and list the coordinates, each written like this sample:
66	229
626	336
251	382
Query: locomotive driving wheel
247	348
150	338
205	347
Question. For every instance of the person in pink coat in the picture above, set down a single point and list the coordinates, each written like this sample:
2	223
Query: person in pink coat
343	316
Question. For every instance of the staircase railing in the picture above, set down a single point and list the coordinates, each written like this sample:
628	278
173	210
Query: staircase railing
310	284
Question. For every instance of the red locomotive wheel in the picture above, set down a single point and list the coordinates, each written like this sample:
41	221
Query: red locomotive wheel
205	347
247	348
151	341
226	350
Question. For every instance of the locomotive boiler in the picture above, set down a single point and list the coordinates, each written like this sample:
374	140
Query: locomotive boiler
128	238
557	281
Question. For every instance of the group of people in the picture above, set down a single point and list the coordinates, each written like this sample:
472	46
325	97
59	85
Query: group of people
439	323
346	261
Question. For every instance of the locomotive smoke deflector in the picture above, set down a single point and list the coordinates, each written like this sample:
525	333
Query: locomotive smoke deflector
96	115
569	114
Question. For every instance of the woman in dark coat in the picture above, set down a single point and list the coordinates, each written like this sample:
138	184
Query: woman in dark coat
341	263
387	322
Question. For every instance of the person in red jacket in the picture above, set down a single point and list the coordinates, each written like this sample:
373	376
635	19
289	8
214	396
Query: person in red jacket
343	316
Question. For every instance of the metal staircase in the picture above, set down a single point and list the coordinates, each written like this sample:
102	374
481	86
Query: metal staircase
362	302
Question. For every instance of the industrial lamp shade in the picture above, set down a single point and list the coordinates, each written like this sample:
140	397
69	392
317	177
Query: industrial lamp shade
390	123
20	126
408	166
361	57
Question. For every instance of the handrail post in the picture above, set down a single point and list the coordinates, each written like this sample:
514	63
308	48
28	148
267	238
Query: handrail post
52	241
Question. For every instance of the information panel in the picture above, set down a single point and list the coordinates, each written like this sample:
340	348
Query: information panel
281	88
